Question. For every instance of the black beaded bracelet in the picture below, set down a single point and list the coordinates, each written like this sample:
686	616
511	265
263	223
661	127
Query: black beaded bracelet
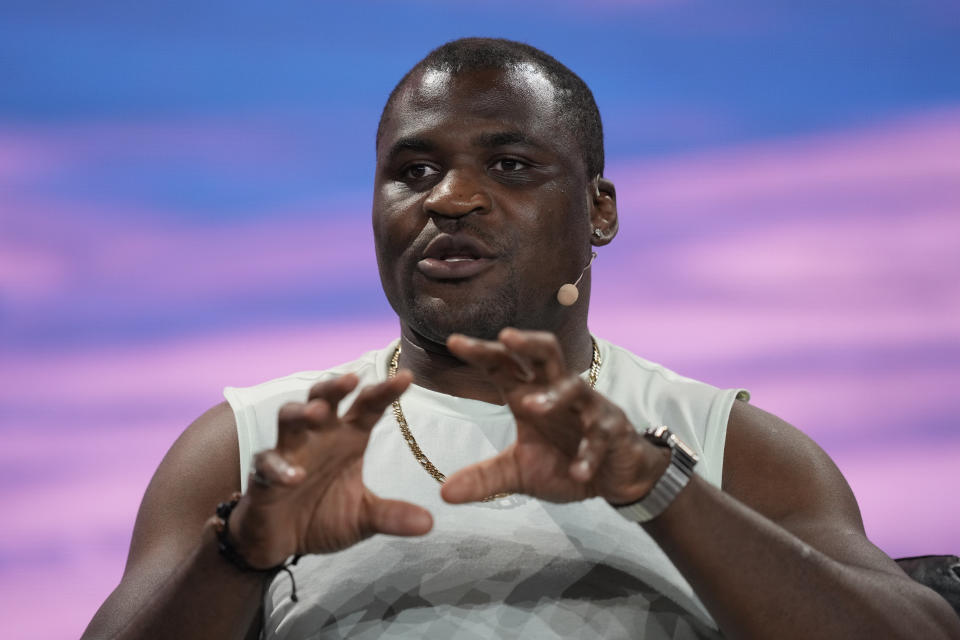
228	551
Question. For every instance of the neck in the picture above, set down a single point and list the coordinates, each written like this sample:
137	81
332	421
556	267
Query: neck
435	368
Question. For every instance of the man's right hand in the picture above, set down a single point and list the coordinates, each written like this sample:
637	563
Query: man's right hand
307	495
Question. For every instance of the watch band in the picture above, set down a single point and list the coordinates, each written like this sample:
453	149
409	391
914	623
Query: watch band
673	480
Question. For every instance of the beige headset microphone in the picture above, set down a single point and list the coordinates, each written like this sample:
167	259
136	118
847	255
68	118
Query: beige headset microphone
569	293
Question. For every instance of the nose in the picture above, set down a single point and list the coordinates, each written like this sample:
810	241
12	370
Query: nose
459	192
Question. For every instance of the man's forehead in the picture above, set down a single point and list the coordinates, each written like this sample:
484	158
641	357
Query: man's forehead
524	80
522	95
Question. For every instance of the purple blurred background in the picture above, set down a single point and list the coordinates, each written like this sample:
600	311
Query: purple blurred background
184	204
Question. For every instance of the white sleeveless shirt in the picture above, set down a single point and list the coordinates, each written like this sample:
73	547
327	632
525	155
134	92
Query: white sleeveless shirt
517	568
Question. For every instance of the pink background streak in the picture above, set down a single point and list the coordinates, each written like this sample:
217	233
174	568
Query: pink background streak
830	307
151	255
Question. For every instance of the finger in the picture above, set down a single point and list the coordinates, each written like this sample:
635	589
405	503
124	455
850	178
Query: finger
505	368
398	518
305	415
540	348
333	390
271	470
295	418
557	413
372	401
593	449
569	392
482	480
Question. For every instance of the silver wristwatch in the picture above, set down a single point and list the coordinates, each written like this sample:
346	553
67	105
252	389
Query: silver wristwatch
675	478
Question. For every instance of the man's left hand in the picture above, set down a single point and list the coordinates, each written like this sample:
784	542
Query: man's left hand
572	442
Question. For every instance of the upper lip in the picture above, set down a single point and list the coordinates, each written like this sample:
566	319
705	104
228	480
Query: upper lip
446	245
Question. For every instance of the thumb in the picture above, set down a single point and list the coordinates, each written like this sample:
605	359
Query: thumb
482	480
398	518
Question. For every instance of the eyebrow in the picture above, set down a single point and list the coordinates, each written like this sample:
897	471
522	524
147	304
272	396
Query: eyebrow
484	140
410	144
503	139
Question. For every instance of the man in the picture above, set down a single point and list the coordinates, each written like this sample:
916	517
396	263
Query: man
489	197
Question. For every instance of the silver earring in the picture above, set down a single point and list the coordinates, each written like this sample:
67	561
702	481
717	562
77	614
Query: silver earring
597	233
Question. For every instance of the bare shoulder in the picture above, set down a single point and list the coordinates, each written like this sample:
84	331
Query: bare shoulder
200	469
782	474
772	467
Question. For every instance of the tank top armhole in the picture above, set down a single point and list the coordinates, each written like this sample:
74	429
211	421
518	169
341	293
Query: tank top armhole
245	418
255	408
716	433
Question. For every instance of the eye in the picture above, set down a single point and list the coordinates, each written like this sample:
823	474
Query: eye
419	171
509	165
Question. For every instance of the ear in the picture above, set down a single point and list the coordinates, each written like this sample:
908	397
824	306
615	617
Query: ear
603	212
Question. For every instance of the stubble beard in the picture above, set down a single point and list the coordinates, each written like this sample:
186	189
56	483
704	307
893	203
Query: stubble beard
436	318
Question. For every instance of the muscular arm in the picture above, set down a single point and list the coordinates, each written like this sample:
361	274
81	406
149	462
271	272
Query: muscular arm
781	551
311	499
175	584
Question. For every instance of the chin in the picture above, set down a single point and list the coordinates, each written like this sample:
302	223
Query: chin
437	318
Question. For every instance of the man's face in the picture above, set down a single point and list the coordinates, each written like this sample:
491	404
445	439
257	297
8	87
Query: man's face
481	204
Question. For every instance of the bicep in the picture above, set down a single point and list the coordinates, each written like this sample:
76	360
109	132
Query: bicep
782	474
200	470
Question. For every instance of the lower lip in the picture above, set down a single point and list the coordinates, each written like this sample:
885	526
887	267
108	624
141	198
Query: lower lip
453	269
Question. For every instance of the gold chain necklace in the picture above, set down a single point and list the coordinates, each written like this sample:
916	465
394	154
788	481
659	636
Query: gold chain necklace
412	442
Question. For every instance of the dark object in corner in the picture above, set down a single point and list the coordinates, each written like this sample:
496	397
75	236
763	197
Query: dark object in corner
940	573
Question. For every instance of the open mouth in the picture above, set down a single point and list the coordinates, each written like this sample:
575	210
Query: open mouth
455	256
453	268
